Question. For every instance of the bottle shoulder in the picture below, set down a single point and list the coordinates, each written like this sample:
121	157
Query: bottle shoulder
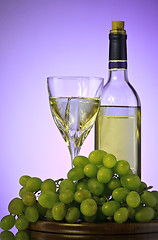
119	93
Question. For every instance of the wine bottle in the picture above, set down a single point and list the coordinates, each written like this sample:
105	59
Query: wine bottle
118	125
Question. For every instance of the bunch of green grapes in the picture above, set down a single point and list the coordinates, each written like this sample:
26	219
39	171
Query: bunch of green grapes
25	208
99	188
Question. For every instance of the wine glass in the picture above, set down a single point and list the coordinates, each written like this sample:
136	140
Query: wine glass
74	103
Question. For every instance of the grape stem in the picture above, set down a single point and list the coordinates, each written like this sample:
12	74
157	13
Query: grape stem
59	180
147	188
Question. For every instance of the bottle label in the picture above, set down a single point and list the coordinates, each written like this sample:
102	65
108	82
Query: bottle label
117	65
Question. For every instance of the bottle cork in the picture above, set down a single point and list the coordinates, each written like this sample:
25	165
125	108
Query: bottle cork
118	27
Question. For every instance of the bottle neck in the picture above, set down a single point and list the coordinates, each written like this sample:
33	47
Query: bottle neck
118	75
117	52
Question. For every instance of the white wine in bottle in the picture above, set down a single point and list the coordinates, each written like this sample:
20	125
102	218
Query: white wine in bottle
118	125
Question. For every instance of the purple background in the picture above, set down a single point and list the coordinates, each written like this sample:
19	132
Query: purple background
40	38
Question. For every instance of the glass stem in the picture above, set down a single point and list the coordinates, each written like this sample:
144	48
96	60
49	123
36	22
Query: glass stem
73	149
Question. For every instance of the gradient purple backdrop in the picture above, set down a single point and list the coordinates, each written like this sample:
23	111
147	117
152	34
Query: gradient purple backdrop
40	38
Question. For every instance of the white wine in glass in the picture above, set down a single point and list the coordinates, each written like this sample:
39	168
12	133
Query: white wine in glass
74	103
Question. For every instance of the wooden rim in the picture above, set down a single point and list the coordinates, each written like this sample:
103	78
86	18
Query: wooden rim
95	228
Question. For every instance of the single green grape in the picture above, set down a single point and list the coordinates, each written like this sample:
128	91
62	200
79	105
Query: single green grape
156	215
130	172
120	194
104	174
81	195
59	211
121	215
22	235
122	167
72	204
110	207
66	184
7	222
156	207
49	216
109	160
131	213
107	191
72	214
81	184
114	183
66	196
48	185
142	187
95	187
133	199
32	214
75	173
100	217
21	223
7	235
97	199
41	210
48	199
131	182
96	157
144	214
22	191
33	184
90	219
90	170
29	198
88	207
80	161
102	199
139	207
149	199
16	206
23	179
155	194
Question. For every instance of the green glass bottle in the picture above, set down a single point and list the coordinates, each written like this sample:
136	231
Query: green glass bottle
118	125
